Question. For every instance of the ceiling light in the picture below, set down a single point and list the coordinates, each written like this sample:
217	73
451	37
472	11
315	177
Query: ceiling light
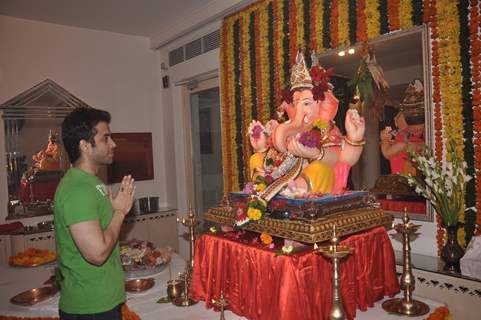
342	53
351	51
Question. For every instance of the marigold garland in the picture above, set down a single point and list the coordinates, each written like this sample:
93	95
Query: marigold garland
405	12
450	80
245	78
292	32
334	23
374	24
319	26
264	62
470	197
343	22
278	56
475	59
361	31
393	15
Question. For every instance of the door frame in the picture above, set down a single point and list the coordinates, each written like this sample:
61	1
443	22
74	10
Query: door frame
189	88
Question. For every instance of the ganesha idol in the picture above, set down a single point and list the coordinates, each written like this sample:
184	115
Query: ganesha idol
305	156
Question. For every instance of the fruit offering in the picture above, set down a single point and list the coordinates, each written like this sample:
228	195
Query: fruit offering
32	257
142	254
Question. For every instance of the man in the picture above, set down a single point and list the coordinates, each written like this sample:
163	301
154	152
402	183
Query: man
88	220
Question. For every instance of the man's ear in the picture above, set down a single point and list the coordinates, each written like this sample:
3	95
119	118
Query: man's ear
83	146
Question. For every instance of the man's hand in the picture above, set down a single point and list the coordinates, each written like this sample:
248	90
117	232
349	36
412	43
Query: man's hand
123	200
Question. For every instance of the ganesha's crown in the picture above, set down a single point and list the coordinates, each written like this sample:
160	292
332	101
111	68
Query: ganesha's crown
300	77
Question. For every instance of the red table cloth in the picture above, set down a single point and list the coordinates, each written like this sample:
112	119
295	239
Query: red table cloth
260	285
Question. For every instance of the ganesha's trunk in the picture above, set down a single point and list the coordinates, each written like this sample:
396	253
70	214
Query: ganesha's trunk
287	129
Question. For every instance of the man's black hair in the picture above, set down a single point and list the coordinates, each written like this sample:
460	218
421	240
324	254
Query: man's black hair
80	125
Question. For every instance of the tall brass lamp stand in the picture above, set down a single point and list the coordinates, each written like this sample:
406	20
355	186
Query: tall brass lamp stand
335	252
190	222
407	305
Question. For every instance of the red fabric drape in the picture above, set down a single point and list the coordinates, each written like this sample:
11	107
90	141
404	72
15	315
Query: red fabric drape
260	285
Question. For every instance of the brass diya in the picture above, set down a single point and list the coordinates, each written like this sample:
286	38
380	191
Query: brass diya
139	285
175	288
33	296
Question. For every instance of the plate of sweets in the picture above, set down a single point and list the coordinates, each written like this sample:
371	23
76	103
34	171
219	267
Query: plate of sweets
140	258
32	257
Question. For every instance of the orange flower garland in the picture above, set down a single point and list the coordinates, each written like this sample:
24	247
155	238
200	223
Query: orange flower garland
475	30
393	15
361	32
293	47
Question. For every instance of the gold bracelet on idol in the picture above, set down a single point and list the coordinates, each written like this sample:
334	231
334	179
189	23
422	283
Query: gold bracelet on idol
354	143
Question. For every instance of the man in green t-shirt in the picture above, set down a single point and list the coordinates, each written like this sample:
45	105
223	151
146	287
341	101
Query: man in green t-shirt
88	218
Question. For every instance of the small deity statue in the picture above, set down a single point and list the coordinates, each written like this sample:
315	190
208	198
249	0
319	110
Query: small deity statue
48	158
409	122
307	153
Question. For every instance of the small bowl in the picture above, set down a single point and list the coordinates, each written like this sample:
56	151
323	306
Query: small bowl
139	285
175	288
33	296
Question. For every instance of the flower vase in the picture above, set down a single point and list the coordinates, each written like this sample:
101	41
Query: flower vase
452	252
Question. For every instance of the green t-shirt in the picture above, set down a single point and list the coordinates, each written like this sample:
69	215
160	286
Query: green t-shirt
86	288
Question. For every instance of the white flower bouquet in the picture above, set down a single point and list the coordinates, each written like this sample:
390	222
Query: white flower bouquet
442	183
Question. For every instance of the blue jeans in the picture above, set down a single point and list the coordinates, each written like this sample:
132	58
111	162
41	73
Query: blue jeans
114	314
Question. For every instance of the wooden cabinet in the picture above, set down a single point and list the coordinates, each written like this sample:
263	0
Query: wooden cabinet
159	228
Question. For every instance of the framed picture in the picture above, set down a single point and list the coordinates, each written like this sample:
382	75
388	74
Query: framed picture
133	155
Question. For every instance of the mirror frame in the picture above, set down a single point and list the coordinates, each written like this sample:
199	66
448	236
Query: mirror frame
428	102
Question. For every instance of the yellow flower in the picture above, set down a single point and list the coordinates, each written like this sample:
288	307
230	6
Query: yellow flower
319	124
254	214
260	187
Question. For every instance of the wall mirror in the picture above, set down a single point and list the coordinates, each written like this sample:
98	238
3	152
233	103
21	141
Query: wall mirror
404	58
34	155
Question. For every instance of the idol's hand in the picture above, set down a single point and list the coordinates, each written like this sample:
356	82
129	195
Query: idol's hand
355	125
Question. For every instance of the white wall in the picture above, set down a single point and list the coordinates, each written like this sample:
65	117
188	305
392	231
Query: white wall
115	72
174	112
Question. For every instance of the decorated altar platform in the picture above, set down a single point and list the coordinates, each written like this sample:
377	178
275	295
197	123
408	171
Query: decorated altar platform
259	284
314	218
